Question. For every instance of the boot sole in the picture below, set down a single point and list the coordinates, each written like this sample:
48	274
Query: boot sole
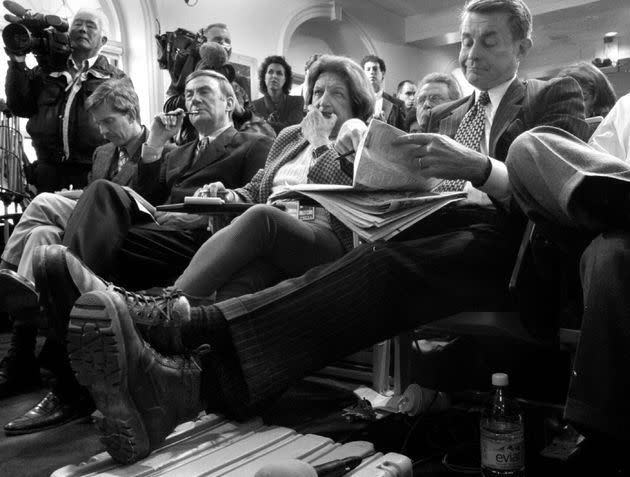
98	357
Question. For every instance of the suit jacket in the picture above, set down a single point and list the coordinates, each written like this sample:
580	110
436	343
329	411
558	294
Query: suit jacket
286	147
525	105
394	111
232	158
291	112
105	165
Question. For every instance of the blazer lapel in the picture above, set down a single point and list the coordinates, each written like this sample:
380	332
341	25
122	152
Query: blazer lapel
103	162
508	109
450	123
387	109
179	160
214	152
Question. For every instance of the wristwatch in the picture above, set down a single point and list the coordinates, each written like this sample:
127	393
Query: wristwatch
318	151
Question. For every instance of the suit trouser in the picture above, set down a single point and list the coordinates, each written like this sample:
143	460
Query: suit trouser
575	192
42	223
459	259
117	241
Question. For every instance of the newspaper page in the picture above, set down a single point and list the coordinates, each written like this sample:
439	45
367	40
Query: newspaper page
380	166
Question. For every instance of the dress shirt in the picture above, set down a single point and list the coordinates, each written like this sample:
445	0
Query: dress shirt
497	185
378	104
613	134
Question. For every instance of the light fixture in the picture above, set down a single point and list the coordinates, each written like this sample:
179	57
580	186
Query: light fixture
611	47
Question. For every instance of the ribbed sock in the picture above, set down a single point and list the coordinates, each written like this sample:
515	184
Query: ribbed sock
207	326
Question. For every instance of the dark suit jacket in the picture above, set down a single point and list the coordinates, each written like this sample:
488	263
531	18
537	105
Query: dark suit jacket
232	158
105	163
394	111
290	113
525	105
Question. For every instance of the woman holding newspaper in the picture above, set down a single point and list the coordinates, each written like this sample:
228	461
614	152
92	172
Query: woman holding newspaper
278	239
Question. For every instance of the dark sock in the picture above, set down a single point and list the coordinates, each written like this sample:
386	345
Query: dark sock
207	326
23	340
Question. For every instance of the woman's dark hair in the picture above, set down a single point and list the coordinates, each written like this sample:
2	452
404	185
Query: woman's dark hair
288	75
361	92
594	84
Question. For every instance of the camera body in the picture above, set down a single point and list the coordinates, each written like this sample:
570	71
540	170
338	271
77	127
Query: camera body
46	36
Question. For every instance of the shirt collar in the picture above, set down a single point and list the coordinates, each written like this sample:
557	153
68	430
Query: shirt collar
216	134
496	94
134	145
74	67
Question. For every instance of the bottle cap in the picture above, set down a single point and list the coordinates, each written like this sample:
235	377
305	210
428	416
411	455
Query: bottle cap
500	379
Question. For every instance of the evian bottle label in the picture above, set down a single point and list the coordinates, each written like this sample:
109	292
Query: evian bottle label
502	451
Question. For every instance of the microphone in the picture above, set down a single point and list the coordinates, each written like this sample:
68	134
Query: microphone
15	8
12	18
212	56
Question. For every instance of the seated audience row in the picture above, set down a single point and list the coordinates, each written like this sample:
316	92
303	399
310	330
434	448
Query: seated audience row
275	297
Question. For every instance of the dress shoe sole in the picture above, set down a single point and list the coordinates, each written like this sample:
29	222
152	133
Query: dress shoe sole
98	356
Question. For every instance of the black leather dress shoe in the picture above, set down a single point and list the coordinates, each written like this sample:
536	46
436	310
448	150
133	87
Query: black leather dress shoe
16	292
61	278
140	395
51	411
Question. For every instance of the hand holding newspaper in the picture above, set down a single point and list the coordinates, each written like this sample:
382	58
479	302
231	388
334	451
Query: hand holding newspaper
388	193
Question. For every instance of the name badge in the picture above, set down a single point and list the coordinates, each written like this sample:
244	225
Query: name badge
300	212
306	213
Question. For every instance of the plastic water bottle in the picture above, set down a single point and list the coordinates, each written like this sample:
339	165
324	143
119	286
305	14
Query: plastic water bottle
502	433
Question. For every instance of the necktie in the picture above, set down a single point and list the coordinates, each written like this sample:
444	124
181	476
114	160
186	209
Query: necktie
468	134
202	145
123	157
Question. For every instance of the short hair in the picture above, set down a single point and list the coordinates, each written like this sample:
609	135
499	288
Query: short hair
403	83
454	91
593	81
224	84
374	59
288	74
100	16
119	94
520	18
361	91
218	25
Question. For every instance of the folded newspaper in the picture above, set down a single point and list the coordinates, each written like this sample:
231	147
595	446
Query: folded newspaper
387	195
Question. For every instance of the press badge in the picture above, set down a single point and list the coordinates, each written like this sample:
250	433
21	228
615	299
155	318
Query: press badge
300	212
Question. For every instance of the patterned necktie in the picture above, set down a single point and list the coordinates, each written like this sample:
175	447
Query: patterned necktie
468	134
202	145
123	157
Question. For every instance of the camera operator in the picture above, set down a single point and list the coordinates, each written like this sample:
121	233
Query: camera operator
210	49
63	134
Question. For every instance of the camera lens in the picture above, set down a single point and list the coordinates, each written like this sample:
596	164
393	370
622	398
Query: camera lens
17	39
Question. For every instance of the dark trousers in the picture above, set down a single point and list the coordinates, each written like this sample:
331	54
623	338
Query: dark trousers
458	259
51	177
117	241
576	193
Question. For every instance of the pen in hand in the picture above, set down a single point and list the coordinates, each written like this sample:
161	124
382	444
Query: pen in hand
183	113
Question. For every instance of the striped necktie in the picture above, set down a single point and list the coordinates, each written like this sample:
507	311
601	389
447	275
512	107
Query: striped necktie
469	134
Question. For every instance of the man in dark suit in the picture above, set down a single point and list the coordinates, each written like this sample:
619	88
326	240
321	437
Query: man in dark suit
109	229
457	259
387	108
130	243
